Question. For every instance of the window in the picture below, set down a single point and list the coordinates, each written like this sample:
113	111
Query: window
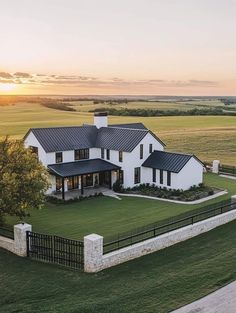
154	175
102	153
81	154
141	151
34	150
137	175
59	157
120	156
121	177
168	178
150	148
161	177
108	154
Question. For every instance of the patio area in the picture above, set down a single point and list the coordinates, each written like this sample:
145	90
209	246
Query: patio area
71	194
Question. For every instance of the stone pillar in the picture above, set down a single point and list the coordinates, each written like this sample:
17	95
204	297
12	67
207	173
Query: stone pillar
20	238
215	166
233	201
93	252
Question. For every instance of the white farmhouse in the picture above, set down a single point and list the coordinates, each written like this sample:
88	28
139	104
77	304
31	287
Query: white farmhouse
97	155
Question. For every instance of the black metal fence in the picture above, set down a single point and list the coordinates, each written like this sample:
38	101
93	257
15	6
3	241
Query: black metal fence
55	249
6	231
144	233
227	169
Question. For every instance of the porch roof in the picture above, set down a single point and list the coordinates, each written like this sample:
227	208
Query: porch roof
81	167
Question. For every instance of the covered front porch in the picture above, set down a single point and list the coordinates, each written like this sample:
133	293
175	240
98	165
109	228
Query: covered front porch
83	178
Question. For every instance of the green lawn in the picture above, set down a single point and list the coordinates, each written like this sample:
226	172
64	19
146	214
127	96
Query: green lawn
107	216
157	283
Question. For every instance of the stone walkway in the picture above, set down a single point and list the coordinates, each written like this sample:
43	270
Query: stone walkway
220	301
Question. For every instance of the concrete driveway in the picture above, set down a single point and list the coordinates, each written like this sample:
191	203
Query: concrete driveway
220	301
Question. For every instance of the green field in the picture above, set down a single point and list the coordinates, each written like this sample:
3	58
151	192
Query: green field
209	137
157	283
108	217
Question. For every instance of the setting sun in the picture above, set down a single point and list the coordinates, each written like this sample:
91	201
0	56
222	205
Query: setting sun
7	87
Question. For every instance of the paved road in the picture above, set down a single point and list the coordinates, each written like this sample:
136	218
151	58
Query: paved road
220	301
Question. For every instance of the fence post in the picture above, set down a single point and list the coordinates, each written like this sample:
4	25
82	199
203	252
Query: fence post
233	201
215	166
20	240
93	252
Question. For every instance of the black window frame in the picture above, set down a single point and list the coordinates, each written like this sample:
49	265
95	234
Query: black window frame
121	177
141	151
58	157
120	156
81	154
161	177
108	154
150	148
154	175
137	175
168	178
102	153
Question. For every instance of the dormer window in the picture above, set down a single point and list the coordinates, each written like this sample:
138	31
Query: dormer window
59	157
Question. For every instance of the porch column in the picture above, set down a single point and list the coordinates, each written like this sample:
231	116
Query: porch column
63	188
110	180
82	185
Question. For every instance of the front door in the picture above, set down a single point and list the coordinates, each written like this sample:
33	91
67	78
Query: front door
88	180
105	179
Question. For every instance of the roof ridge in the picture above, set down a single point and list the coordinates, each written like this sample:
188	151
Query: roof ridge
58	127
109	126
172	152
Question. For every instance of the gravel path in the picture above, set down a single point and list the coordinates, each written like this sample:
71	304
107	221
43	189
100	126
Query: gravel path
220	301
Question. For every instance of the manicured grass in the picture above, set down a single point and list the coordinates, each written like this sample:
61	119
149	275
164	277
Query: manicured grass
209	137
108	216
159	282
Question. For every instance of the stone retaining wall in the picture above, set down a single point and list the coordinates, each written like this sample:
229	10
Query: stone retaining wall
17	245
95	260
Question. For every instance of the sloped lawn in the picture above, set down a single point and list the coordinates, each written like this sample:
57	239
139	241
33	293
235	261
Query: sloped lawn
107	216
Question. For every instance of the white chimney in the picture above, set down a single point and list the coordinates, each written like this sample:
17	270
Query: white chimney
100	119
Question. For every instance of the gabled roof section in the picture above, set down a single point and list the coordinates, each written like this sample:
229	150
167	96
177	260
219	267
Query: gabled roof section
120	139
81	167
66	138
168	161
129	125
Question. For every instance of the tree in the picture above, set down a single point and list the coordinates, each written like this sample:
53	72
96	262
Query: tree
23	179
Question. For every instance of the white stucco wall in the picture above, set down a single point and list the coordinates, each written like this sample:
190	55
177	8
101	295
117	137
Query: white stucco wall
132	159
191	174
31	140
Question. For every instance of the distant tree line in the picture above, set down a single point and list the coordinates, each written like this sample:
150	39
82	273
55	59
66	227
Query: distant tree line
58	106
154	112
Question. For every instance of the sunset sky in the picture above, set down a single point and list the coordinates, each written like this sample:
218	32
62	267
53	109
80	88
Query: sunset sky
161	47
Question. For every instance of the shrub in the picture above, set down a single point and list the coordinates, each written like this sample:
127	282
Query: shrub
117	187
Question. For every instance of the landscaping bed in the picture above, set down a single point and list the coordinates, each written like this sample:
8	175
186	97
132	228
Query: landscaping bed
194	193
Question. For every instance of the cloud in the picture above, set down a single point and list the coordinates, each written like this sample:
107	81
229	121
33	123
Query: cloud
90	82
5	75
22	75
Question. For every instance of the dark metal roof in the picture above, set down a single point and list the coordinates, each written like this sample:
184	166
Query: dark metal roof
88	136
81	167
66	138
130	125
168	161
120	139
